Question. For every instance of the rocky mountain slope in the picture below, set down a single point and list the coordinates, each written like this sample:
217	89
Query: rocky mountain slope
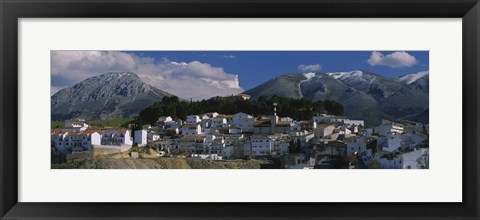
110	95
364	95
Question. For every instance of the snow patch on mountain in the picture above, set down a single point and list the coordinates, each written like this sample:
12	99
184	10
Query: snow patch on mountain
309	75
410	78
353	76
346	75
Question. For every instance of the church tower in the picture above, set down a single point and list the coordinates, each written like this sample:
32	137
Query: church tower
274	119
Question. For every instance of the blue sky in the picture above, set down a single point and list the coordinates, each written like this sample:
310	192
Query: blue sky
203	74
256	67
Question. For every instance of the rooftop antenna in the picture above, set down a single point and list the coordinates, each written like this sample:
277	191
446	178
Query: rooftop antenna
275	109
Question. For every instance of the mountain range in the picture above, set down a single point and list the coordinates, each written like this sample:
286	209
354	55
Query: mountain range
364	95
110	95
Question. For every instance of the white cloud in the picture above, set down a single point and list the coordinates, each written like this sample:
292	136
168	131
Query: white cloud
395	60
194	79
307	68
229	56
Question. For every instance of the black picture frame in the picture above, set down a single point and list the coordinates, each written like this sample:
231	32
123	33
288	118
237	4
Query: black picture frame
12	10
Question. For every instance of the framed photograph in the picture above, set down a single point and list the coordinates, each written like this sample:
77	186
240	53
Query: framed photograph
251	110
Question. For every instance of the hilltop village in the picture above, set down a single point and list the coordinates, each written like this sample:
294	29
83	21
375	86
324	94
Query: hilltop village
323	142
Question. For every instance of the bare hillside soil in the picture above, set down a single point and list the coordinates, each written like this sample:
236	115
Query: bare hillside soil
123	161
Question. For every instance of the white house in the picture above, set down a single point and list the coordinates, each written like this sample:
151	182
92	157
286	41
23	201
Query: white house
218	122
243	120
191	130
391	162
353	122
218	146
396	142
193	119
209	115
345	130
172	145
230	130
75	123
324	118
75	141
163	119
355	144
57	137
239	118
116	137
262	145
193	144
170	124
152	136
67	142
140	137
388	127
417	159
82	141
323	130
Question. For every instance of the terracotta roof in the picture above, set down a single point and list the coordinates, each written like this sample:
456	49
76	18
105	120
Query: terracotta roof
89	131
76	134
56	132
108	130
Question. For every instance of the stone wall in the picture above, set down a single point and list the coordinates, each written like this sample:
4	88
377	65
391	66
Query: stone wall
109	149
